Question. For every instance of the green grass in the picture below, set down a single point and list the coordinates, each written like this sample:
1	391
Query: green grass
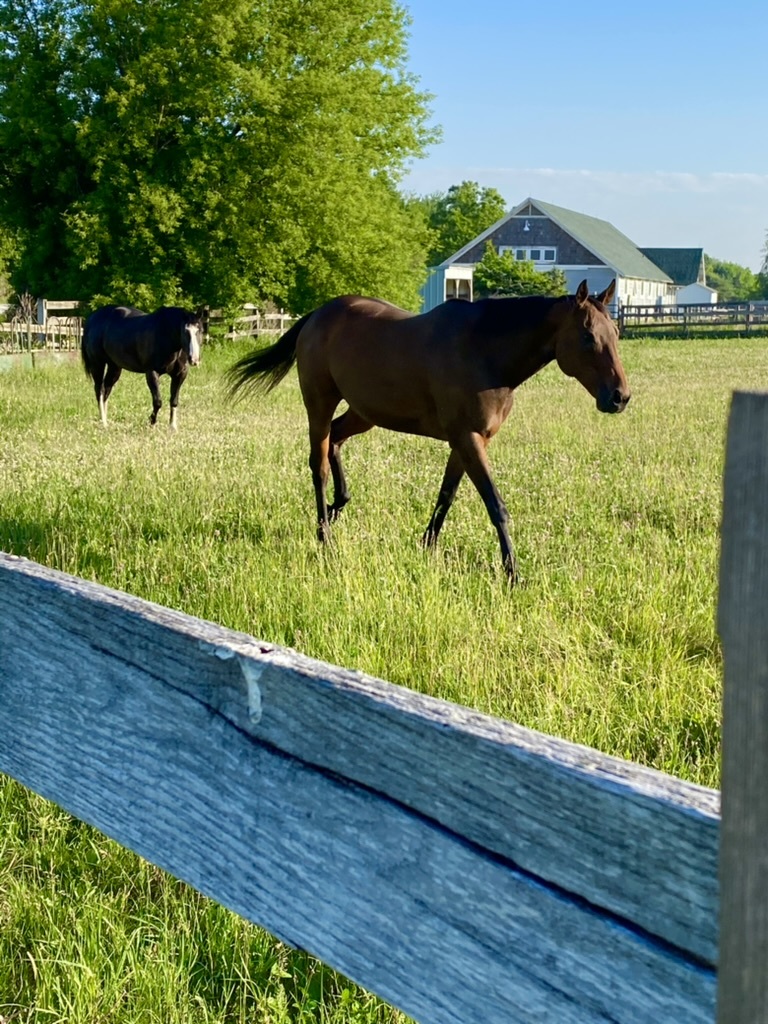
610	641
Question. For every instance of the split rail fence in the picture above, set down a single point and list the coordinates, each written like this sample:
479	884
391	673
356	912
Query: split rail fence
57	325
43	325
694	320
462	867
252	321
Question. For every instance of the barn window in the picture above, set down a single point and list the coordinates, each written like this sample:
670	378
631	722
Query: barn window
537	255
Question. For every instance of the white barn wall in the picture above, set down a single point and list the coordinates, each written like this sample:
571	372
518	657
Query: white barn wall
696	294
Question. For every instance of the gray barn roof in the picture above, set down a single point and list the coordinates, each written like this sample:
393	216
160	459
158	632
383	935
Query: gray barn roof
684	266
598	236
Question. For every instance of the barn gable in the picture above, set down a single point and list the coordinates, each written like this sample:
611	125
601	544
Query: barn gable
577	238
583	247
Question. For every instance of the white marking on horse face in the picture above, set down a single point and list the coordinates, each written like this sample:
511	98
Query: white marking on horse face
193	333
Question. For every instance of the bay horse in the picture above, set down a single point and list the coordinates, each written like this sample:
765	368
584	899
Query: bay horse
117	338
449	373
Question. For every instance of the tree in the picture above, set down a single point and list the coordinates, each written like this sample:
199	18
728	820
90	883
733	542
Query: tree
8	249
732	282
501	274
457	216
189	151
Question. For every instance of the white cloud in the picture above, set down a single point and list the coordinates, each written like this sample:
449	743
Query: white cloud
723	212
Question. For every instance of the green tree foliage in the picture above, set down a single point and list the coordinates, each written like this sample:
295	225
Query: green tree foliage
8	250
457	216
184	150
732	282
501	274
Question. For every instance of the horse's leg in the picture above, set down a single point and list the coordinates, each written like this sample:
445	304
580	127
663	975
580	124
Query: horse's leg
319	464
342	428
153	383
177	379
454	472
111	378
472	449
97	372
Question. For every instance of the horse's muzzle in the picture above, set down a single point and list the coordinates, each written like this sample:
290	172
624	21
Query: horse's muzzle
613	399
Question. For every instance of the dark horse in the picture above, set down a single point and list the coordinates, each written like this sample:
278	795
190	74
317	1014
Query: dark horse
449	374
117	338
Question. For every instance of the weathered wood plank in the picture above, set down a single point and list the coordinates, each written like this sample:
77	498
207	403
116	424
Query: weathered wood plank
528	797
743	624
186	742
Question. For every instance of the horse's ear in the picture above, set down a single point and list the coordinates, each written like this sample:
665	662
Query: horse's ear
607	296
582	293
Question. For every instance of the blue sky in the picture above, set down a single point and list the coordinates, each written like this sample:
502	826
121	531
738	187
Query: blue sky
652	116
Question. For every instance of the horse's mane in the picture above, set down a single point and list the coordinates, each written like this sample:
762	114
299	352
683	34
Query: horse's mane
518	314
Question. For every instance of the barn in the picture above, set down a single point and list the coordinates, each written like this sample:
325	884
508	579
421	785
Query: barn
553	237
687	269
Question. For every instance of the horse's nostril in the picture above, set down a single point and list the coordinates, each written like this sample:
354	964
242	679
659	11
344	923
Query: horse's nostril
620	397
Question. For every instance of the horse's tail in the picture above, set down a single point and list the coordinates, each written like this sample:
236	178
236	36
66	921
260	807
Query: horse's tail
263	369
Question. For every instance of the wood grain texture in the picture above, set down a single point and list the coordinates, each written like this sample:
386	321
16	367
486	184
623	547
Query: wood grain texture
388	833
743	624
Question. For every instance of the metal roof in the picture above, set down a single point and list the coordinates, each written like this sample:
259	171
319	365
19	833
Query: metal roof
684	266
598	236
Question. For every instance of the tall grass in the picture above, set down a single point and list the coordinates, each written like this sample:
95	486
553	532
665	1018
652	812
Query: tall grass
610	641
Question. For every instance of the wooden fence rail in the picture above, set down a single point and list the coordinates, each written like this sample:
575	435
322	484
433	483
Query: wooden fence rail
737	318
253	321
52	325
390	834
460	866
58	326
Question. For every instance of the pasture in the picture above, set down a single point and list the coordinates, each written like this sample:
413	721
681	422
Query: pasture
609	641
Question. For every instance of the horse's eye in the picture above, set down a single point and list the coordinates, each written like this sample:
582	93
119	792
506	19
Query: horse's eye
588	340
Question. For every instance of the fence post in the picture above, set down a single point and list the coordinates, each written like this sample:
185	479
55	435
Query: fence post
42	320
743	626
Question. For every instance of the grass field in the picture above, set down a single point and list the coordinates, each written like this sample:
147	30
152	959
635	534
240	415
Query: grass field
610	641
